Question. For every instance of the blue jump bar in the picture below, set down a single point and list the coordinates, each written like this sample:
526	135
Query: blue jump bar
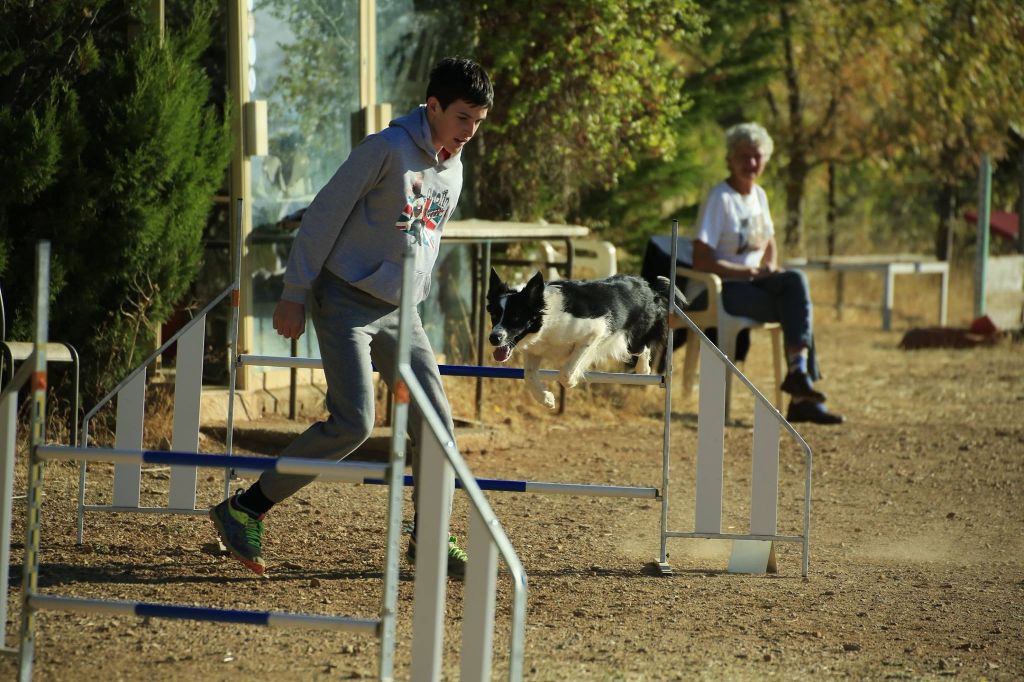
330	470
467	371
202	613
583	489
485	372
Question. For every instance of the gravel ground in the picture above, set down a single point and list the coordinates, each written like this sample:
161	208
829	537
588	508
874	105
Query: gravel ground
916	568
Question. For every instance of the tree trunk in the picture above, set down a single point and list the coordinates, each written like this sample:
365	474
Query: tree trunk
946	209
796	170
830	216
796	176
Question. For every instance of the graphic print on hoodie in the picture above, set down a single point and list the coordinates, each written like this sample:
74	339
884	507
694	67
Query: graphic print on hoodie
422	214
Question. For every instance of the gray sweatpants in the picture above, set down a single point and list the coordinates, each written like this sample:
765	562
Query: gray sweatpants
354	328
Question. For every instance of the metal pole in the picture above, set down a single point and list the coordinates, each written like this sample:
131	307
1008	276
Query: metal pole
236	296
8	448
396	472
984	215
667	434
30	570
293	383
1020	205
485	273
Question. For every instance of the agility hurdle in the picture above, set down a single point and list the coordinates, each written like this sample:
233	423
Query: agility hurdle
130	394
486	539
751	552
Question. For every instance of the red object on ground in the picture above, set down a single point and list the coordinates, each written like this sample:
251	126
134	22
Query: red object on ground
1002	224
984	326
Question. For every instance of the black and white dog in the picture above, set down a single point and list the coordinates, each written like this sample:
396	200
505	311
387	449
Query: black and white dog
571	325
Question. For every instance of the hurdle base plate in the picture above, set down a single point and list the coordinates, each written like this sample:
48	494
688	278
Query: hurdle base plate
753	556
663	567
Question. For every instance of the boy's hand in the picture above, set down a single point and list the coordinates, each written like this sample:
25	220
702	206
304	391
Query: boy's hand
290	319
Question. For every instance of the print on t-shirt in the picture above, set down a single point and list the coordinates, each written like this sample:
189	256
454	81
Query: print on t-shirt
750	232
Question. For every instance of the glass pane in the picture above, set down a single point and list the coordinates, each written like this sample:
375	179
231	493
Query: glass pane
304	61
412	35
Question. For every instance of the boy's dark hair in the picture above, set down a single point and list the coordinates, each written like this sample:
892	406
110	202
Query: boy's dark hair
455	78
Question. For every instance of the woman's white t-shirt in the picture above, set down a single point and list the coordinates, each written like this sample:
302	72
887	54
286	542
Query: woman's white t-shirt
737	226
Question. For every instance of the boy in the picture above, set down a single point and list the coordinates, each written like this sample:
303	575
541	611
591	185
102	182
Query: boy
397	187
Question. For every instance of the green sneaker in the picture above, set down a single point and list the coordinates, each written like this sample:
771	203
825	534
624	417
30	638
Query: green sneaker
240	533
457	556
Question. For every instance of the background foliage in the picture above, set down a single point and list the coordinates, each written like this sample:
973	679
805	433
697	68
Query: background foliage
582	96
112	153
608	113
879	109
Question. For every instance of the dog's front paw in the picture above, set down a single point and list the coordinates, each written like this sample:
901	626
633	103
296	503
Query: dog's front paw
545	398
643	362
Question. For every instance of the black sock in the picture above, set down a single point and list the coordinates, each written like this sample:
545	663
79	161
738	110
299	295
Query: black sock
253	501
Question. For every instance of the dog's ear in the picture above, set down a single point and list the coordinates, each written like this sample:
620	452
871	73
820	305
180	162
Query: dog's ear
535	287
495	282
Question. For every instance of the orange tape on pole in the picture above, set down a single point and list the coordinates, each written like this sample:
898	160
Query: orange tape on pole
38	381
235	296
402	393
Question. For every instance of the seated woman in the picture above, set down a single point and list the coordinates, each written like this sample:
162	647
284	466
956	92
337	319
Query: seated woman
736	241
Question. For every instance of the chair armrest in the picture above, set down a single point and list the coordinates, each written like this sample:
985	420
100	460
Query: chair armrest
710	280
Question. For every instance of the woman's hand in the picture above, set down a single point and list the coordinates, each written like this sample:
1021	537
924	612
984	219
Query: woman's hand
763	270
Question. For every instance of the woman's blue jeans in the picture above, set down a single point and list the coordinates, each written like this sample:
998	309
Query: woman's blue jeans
783	297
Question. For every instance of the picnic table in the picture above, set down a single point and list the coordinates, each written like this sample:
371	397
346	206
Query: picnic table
889	265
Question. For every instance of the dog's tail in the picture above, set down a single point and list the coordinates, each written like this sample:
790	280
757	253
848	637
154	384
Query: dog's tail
661	288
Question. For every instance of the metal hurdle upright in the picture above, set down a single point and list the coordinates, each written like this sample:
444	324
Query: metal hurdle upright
486	539
750	550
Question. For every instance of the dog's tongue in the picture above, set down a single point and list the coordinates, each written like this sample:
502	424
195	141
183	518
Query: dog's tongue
501	353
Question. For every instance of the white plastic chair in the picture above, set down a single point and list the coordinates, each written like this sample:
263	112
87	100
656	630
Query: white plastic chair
728	326
592	259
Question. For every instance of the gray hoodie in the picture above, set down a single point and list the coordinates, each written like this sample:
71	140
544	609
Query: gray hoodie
392	190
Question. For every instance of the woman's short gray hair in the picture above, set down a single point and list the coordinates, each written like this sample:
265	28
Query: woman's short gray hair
749	133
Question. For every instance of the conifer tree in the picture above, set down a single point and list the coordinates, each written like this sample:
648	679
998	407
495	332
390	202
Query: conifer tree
113	153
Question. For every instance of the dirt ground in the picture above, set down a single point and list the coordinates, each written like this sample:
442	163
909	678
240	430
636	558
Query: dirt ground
916	564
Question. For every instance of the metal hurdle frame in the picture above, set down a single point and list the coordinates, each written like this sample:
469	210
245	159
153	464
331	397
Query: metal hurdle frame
131	403
486	537
752	549
32	601
28	372
441	463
